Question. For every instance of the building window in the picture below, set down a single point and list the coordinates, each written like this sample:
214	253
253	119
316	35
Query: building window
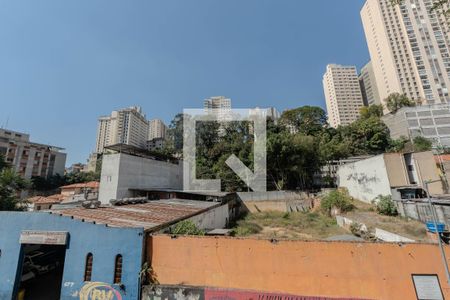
118	269
88	267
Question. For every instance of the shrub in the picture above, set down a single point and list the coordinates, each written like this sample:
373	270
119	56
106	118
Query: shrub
336	199
246	228
186	228
385	206
422	144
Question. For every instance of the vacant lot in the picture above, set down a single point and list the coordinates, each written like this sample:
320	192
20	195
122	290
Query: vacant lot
366	213
294	225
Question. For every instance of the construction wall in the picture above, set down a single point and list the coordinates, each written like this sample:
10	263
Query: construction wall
328	269
284	201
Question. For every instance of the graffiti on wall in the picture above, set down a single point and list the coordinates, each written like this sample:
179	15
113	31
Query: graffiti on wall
99	291
199	293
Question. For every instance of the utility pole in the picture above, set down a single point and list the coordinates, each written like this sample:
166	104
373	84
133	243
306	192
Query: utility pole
435	221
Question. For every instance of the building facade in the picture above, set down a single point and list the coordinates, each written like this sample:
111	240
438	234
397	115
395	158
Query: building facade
156	129
342	94
72	259
124	173
218	105
156	144
429	121
367	179
409	49
31	159
368	84
126	126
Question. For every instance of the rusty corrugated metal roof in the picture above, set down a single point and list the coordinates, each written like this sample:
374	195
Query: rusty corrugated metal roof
151	215
47	200
90	184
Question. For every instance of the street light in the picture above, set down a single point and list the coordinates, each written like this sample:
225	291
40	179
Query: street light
433	213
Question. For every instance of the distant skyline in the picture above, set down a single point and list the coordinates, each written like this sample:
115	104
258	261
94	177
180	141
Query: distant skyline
64	64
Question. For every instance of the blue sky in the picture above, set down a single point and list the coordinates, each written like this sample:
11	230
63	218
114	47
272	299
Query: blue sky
65	63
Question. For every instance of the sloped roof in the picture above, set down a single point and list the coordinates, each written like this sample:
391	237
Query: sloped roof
90	184
152	215
47	200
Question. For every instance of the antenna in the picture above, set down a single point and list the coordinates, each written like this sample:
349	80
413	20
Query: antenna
7	121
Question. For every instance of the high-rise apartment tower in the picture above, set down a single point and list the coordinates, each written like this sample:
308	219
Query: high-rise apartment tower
342	94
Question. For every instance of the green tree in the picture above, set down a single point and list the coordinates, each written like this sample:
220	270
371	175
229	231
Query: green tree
292	160
398	145
367	136
174	140
395	101
422	144
375	110
338	199
72	178
307	120
11	184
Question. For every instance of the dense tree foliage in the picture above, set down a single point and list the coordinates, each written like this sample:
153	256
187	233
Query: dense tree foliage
297	146
421	144
307	120
43	184
11	184
395	101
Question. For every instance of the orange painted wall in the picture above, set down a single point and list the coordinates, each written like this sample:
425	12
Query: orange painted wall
339	269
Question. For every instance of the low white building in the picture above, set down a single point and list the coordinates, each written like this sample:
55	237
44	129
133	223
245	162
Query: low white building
367	179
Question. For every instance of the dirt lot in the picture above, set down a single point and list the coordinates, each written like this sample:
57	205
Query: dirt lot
293	226
316	226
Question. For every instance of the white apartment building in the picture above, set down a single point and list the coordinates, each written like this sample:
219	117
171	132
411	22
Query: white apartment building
31	159
368	85
409	49
125	126
342	94
218	105
156	129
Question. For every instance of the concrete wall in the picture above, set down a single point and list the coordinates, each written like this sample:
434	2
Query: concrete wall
365	179
420	210
284	201
326	269
103	242
214	218
271	196
122	172
397	124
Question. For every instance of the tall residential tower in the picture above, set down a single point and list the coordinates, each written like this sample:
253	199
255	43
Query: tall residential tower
369	86
342	94
409	49
156	129
125	126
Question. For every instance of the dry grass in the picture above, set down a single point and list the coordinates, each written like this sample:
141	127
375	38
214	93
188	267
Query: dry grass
294	226
366	213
